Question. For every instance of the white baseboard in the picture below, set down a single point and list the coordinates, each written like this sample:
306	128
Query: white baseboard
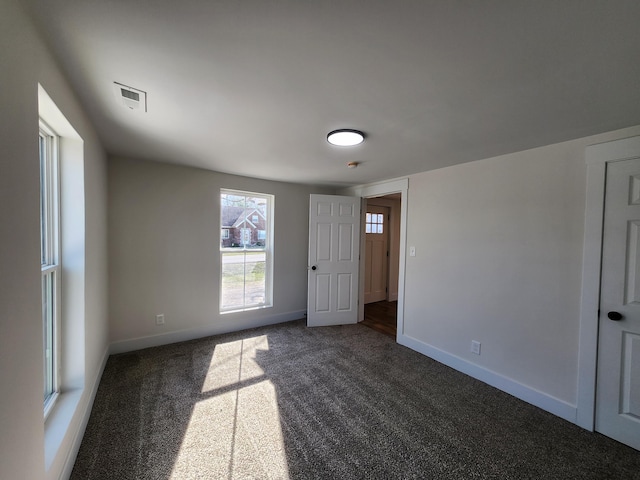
530	395
72	454
139	343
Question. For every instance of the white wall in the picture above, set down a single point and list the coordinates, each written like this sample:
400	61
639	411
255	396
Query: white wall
498	256
499	260
164	234
25	63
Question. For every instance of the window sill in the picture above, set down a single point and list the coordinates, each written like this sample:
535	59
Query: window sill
58	422
50	404
247	309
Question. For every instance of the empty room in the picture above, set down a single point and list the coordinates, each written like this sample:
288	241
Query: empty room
295	239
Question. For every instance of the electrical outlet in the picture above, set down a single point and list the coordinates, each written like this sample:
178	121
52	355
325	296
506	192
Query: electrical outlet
475	347
160	319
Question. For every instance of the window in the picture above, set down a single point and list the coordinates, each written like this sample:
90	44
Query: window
374	223
225	233
246	250
63	214
50	259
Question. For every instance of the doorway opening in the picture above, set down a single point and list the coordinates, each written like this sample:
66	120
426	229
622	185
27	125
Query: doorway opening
382	317
381	262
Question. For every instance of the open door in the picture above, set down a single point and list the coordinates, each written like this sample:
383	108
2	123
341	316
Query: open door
334	248
618	379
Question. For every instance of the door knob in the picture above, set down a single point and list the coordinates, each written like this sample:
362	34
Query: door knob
314	267
615	316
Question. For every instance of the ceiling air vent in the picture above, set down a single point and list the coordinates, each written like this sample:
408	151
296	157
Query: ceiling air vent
130	97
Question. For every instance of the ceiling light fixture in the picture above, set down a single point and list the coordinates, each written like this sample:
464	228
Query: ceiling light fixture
345	137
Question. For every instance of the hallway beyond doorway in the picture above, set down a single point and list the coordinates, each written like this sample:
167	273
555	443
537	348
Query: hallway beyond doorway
382	317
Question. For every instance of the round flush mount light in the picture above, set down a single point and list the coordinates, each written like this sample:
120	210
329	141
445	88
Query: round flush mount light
345	137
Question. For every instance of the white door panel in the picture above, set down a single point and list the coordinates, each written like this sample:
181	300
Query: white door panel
618	378
334	246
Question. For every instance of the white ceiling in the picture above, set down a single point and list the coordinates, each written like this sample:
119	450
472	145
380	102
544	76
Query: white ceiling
252	87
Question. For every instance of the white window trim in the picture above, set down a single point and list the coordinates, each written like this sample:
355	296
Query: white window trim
60	424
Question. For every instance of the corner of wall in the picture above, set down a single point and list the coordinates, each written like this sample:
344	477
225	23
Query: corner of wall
523	392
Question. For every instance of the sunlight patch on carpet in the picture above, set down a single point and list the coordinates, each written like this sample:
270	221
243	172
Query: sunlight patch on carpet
234	445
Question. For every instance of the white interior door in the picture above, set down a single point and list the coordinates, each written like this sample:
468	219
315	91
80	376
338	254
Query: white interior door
618	377
334	247
376	253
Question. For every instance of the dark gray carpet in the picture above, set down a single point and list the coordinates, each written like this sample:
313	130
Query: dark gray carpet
287	401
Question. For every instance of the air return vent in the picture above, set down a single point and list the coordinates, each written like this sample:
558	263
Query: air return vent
130	97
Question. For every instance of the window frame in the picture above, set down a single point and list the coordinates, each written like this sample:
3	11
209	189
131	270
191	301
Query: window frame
50	259
374	223
250	248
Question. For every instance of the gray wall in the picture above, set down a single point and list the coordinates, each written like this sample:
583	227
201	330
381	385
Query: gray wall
164	234
25	62
499	260
498	241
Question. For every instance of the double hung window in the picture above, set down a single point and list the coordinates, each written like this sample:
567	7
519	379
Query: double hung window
246	247
50	259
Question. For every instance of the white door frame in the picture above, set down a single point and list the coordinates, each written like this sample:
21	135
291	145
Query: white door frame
597	157
400	186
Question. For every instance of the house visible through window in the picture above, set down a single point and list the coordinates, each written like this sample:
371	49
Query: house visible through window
50	259
245	250
374	223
